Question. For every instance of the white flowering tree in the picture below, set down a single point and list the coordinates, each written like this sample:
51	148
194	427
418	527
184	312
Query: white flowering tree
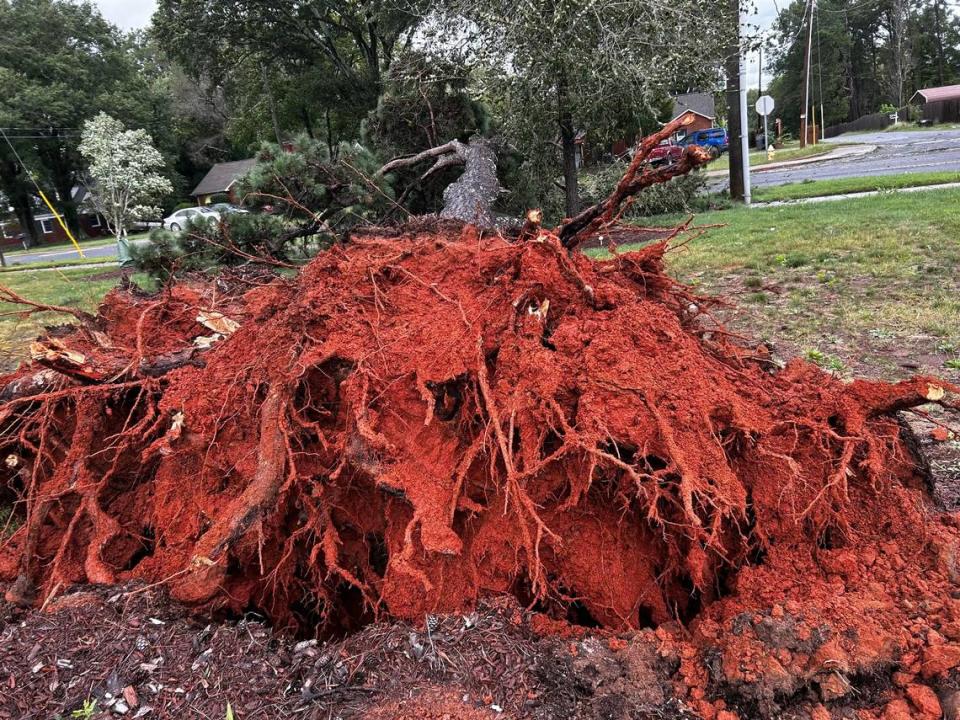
126	173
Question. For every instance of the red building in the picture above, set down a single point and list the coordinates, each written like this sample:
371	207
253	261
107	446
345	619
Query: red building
49	231
699	106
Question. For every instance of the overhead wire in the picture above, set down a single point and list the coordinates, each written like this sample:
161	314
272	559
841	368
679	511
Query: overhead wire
42	195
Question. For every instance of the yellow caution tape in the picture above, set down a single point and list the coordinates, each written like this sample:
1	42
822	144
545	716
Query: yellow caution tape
62	223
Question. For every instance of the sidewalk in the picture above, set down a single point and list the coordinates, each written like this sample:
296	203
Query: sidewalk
842	152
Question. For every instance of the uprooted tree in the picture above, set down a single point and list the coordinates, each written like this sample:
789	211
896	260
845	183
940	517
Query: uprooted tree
430	414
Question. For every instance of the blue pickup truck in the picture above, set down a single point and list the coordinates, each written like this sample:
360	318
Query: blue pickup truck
714	139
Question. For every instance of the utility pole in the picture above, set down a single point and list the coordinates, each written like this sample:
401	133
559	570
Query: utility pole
738	125
939	32
811	6
760	86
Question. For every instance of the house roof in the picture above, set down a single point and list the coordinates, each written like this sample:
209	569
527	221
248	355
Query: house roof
700	103
938	94
222	176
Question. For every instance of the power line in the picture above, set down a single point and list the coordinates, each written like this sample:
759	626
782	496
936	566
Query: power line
41	193
42	137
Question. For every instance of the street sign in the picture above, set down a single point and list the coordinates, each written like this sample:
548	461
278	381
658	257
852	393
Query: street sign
764	105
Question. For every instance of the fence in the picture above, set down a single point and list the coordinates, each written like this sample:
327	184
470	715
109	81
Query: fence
876	121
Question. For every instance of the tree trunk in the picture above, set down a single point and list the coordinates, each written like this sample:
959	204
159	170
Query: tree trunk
268	91
58	161
307	122
568	146
12	183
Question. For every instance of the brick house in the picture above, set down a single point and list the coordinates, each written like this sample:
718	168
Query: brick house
699	106
49	231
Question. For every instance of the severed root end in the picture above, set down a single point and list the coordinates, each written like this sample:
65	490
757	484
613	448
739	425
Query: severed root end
22	593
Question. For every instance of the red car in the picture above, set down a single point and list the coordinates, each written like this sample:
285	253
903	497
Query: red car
666	153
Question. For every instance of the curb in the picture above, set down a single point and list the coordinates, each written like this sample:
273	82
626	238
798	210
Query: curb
839	153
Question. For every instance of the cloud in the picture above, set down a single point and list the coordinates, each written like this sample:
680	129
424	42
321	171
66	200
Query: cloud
128	14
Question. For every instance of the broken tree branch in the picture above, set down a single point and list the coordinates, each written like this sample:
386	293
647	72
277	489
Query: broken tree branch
637	177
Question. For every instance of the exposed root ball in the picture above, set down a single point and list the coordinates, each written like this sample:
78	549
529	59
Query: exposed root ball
416	421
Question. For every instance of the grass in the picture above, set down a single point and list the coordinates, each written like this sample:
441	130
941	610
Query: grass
72	262
792	152
74	288
841	186
866	284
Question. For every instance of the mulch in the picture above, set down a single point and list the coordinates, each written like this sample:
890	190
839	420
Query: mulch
135	654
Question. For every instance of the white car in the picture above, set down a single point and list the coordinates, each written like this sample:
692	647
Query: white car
178	220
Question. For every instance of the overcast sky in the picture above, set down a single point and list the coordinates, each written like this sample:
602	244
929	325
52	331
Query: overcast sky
128	14
133	14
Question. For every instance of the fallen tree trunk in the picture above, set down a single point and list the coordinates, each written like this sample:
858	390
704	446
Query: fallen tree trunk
469	199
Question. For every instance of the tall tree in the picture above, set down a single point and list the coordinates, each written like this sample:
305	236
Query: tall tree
553	69
61	62
870	54
334	53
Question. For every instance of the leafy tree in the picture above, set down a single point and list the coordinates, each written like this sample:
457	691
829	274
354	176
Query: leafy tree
126	172
281	62
551	68
60	63
869	54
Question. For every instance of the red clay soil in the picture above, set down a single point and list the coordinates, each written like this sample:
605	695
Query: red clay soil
429	417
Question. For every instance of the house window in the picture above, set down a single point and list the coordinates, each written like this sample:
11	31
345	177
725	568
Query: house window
46	226
95	222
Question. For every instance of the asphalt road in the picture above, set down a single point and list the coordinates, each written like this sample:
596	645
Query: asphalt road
44	256
896	153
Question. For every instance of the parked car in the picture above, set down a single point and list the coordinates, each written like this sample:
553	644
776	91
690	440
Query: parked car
666	153
714	139
178	220
226	208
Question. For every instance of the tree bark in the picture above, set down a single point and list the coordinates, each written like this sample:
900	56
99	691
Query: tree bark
57	158
12	182
471	197
268	90
568	146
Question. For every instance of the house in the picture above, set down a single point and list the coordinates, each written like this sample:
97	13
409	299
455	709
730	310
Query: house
700	106
939	104
49	231
221	179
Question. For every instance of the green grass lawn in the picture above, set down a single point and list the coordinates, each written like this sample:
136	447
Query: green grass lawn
867	284
790	152
840	186
75	288
15	267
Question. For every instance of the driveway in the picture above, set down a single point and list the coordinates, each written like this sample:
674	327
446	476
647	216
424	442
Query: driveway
896	153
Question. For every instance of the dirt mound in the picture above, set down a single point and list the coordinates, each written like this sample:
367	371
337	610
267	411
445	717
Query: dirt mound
417	421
